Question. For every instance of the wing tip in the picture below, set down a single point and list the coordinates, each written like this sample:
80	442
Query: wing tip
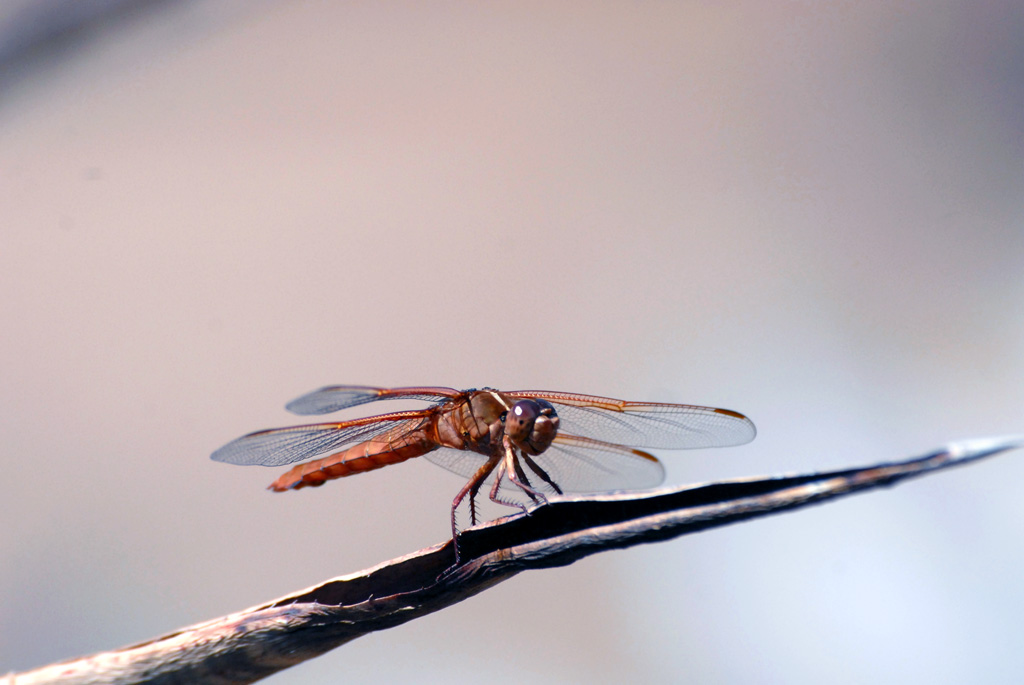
645	455
310	404
745	420
238	450
224	454
299	407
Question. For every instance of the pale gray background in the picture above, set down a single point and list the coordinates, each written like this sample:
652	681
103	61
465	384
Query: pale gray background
811	213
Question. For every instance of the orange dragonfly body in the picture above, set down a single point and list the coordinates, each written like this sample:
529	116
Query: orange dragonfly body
522	445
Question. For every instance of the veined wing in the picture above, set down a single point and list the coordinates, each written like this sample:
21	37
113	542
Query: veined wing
337	397
646	424
573	463
280	446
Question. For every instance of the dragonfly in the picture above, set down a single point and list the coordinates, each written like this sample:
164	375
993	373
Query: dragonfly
520	447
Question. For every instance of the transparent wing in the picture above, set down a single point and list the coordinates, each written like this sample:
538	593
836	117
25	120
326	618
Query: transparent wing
337	397
646	424
578	464
573	463
280	446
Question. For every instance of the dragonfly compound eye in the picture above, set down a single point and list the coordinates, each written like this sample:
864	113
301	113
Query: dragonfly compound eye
520	419
532	425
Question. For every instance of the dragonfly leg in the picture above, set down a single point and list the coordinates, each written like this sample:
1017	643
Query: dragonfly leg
516	474
495	496
519	477
470	489
541	473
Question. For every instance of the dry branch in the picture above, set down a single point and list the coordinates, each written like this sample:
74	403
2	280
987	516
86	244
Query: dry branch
255	643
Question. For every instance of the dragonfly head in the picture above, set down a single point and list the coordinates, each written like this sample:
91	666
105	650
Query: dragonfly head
531	425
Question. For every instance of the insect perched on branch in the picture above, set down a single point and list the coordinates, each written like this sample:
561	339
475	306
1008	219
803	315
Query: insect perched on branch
520	446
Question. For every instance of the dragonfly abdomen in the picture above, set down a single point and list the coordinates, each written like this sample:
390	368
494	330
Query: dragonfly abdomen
366	456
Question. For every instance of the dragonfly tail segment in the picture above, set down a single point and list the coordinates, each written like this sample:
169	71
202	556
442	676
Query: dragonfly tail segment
366	456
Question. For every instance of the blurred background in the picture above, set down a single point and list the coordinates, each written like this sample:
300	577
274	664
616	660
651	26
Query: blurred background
813	214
